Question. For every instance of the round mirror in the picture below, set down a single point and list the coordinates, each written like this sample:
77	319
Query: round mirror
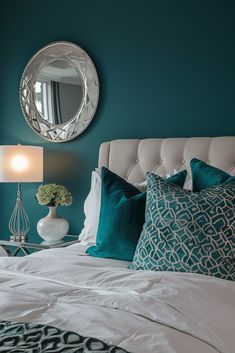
59	91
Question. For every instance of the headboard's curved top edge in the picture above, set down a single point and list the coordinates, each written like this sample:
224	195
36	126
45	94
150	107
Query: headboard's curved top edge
132	158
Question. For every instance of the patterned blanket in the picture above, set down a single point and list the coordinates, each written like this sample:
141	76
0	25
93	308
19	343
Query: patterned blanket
30	338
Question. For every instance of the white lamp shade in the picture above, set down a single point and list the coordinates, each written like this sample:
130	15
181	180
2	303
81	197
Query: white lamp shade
21	164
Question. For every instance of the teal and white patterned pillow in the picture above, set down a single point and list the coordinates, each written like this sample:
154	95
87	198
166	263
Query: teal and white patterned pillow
188	231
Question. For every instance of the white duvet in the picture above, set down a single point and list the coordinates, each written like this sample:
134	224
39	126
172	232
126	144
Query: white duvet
141	311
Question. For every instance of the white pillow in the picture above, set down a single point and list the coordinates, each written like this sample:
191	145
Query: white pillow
92	211
188	184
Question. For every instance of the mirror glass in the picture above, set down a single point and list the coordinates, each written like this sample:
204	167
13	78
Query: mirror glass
58	92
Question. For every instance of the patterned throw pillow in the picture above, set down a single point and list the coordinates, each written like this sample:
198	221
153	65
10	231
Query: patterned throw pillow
186	231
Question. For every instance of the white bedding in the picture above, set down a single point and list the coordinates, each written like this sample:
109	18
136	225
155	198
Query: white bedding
141	311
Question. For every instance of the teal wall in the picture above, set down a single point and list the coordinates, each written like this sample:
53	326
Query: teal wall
166	68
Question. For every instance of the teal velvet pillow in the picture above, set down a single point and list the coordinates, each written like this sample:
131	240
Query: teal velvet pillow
186	231
178	178
122	215
205	176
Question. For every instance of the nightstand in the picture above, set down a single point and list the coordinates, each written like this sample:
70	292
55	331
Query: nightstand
12	248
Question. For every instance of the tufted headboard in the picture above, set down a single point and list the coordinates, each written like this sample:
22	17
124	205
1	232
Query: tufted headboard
131	159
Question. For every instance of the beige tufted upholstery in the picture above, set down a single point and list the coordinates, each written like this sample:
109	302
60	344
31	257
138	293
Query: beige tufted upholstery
131	159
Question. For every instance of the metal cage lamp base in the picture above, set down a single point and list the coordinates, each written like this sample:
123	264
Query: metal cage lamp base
19	224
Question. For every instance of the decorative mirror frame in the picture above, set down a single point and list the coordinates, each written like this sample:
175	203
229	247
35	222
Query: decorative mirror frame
81	62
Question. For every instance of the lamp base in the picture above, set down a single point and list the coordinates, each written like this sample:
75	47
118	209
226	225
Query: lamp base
19	238
19	222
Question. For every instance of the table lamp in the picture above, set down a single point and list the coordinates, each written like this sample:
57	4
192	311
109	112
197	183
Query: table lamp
20	164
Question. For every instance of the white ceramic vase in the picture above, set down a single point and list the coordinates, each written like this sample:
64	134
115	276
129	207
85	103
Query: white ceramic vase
52	228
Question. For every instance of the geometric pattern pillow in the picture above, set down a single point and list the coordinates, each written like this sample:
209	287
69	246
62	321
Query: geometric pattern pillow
186	231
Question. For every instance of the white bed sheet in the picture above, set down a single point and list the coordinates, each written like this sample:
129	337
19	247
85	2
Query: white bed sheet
141	311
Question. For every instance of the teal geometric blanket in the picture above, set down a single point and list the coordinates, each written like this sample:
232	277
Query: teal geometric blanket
32	338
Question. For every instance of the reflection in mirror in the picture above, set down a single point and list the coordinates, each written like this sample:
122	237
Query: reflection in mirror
58	92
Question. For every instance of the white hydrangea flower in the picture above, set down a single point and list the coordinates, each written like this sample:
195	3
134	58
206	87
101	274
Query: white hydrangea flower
53	195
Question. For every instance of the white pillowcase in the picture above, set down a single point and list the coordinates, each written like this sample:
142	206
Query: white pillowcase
93	202
188	184
92	211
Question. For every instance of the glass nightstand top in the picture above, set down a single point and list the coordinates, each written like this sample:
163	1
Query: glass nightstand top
40	245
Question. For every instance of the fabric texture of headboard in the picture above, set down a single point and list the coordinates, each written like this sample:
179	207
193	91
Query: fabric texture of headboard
131	159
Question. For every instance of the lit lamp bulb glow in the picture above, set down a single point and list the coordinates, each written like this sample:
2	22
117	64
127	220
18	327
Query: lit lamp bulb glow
19	163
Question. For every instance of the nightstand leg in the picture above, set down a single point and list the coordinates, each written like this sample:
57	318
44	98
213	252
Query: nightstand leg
24	250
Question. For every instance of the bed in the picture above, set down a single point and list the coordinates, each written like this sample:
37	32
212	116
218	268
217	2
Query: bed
138	311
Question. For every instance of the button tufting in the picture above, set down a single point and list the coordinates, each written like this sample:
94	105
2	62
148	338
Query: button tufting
183	161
